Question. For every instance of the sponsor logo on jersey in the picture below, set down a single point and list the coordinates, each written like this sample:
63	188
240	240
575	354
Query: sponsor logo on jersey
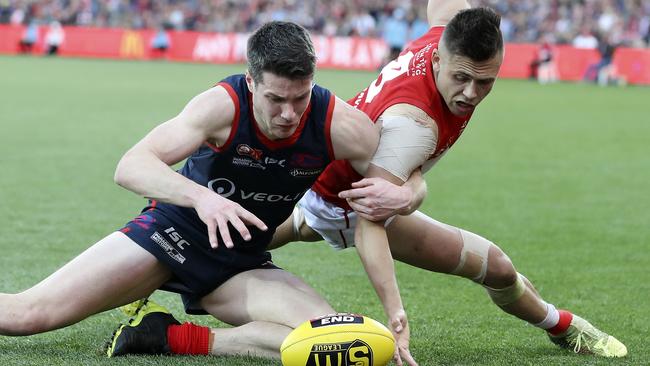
306	161
226	188
258	164
355	353
340	319
167	247
273	161
305	172
247	163
245	150
419	63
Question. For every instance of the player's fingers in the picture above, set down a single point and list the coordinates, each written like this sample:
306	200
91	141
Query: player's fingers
239	226
397	358
397	325
406	355
362	183
212	234
369	217
224	232
359	207
354	193
249	218
363	202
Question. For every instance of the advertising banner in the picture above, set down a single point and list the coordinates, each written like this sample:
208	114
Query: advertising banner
351	53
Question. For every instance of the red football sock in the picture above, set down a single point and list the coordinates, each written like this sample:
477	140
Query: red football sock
188	339
562	324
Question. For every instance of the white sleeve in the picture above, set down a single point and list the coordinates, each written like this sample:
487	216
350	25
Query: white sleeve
404	145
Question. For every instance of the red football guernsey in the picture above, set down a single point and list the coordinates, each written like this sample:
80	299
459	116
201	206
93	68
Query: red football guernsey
406	80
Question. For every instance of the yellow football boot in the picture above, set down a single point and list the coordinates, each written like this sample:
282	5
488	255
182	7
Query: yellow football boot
145	333
133	308
583	337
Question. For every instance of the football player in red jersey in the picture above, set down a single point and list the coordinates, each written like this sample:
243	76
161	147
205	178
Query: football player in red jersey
423	100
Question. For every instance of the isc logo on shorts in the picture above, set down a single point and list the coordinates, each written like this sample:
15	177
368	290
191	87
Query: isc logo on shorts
356	353
176	237
167	247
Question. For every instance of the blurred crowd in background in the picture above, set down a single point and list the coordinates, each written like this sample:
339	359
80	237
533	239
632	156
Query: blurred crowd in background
582	23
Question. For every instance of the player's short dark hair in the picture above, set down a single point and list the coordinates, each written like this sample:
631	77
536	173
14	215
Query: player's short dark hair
474	33
282	48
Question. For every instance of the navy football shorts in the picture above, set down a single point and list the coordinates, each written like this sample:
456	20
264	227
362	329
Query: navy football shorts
184	247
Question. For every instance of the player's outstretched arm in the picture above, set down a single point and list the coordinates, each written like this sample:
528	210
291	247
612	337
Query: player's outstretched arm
440	12
145	168
372	245
355	138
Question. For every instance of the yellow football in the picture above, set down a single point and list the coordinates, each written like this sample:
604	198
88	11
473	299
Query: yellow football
338	340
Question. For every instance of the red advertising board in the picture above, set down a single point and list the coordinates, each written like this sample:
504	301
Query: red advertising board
333	52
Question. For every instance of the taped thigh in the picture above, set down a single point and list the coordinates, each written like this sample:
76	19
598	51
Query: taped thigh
508	295
473	257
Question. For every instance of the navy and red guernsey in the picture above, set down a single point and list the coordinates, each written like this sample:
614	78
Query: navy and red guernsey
266	177
409	80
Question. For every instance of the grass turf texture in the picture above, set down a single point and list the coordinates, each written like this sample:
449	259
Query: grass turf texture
557	175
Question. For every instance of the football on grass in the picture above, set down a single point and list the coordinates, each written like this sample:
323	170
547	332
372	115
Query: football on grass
338	340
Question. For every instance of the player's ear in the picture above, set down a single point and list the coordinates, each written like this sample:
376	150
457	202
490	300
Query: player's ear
250	82
435	60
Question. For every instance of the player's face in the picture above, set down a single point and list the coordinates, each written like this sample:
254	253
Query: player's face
462	82
279	103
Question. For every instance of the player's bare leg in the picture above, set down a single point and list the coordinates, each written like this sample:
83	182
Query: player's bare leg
263	305
113	272
437	249
425	243
428	244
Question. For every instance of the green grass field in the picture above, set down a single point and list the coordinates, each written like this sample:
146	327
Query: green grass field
557	175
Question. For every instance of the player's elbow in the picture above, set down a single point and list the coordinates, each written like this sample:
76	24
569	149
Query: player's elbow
121	176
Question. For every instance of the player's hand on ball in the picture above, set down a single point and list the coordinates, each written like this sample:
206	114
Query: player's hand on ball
217	212
400	328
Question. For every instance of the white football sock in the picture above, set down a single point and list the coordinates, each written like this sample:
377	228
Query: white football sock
552	317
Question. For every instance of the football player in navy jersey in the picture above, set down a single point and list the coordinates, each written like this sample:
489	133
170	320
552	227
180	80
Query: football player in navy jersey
254	144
